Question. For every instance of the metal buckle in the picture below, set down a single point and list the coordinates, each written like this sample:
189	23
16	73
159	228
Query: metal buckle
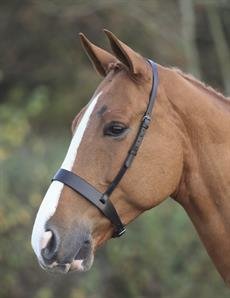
119	232
146	121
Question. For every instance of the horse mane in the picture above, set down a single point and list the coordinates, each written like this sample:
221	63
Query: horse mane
202	85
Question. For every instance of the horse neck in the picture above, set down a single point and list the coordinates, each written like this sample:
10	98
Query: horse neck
203	119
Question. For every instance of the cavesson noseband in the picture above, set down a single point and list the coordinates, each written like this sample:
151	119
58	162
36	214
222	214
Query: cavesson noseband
89	192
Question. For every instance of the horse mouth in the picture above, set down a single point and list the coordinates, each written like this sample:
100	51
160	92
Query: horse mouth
82	264
77	265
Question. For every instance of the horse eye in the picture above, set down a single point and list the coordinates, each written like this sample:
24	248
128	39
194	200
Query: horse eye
114	129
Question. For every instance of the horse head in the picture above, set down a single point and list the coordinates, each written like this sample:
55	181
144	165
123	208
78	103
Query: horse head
68	228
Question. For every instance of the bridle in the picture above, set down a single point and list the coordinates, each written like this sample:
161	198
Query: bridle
89	192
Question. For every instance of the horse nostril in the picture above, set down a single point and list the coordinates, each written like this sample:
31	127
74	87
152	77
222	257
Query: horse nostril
50	245
85	250
87	242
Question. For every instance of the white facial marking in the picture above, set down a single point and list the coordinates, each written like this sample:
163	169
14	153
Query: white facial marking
50	201
46	238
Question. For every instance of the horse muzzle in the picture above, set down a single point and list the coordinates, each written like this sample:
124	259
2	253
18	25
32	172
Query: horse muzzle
67	252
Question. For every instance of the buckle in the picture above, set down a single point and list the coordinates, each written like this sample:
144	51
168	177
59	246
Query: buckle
146	121
119	232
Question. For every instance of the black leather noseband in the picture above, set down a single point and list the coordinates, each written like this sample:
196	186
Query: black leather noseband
89	192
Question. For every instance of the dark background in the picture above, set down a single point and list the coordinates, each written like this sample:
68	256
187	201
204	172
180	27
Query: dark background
45	78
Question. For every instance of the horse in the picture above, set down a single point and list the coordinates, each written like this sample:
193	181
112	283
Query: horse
149	133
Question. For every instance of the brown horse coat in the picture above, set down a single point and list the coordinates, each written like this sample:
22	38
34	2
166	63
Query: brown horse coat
185	155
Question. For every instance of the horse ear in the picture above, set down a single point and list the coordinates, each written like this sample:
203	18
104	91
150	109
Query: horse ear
134	61
99	57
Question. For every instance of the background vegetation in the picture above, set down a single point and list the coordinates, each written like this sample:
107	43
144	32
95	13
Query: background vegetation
45	78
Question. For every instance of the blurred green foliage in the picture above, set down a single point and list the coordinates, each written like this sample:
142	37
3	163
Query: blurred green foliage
44	80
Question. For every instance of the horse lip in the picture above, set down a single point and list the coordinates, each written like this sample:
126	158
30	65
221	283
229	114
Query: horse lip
74	265
62	268
56	268
77	265
42	265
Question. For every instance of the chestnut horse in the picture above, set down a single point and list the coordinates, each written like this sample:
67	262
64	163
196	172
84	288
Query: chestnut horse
185	154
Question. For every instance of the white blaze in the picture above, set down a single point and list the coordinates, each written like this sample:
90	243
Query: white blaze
50	201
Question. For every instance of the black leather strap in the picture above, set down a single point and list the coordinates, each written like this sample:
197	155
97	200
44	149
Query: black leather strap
141	132
153	93
101	200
